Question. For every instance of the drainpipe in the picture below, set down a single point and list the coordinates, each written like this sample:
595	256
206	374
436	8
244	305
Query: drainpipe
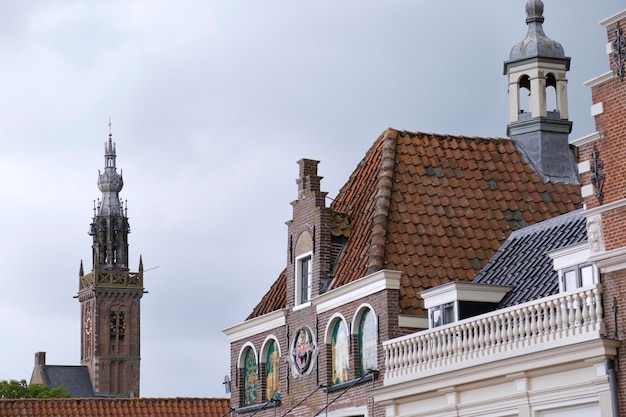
610	370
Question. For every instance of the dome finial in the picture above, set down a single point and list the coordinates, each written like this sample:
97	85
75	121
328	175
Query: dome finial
536	42
534	11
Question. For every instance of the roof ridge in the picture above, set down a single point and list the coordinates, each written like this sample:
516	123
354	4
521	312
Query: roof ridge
547	224
451	136
382	202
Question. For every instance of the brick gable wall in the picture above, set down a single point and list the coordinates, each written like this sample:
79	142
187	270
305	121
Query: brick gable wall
611	125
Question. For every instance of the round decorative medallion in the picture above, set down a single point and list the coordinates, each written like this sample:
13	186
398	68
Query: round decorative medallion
303	351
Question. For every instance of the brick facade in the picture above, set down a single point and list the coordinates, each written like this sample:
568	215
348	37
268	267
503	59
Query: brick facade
306	393
606	215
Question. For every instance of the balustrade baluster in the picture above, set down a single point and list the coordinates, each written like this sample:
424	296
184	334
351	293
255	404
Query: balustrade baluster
499	322
586	307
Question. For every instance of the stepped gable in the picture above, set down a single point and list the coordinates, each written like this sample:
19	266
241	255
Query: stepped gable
126	407
522	261
437	208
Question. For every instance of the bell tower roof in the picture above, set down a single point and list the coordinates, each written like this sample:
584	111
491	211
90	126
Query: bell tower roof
536	42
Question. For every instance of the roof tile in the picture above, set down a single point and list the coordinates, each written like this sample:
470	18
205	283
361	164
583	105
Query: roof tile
127	407
448	211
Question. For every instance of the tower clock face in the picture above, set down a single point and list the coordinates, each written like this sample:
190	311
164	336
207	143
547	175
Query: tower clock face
88	323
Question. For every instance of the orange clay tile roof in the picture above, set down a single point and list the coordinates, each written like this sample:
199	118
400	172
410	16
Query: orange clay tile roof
274	299
435	207
105	407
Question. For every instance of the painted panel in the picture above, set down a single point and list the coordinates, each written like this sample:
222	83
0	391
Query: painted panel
250	377
272	370
367	343
340	361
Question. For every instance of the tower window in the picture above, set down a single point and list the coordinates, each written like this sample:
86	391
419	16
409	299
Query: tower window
304	273
117	323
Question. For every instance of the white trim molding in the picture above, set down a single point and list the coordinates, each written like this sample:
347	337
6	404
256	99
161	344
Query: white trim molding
368	285
600	79
613	19
256	325
593	137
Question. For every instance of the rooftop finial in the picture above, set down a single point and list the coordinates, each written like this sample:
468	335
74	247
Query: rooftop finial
110	134
536	42
534	11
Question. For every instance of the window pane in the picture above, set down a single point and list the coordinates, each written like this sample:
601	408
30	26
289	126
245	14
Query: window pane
272	372
250	378
436	319
340	351
586	275
569	278
367	343
305	279
448	311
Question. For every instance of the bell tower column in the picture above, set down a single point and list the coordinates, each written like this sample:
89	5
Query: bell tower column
110	295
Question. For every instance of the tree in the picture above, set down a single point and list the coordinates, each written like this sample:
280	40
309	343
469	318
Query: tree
20	389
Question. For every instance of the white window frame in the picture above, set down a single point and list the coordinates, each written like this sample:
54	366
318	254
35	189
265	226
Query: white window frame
441	308
576	269
299	281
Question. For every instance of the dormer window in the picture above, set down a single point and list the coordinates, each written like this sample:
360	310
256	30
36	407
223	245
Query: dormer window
455	301
574	270
578	276
440	315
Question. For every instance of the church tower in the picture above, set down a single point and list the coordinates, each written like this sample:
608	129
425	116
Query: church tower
110	295
538	113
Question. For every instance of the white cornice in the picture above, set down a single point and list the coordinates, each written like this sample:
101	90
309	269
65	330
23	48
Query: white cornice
606	207
593	137
256	325
368	285
613	19
610	261
599	79
463	291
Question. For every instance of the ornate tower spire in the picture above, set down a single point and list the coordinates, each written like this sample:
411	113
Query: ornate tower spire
538	109
110	295
110	182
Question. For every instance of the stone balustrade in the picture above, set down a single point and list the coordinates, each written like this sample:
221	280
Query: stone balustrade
543	324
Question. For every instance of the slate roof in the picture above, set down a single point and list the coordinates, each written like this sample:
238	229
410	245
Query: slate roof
522	261
437	208
75	378
127	407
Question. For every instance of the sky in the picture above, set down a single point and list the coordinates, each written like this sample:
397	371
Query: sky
211	104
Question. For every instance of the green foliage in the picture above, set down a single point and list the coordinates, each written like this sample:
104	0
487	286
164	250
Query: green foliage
20	389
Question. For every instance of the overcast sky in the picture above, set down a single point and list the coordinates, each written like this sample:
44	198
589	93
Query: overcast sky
212	103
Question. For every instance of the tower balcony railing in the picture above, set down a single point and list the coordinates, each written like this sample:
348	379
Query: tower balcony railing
561	320
112	279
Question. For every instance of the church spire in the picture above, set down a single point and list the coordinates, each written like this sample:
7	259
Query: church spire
110	182
110	295
538	109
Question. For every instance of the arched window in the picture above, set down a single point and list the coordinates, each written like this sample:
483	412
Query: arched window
340	353
250	378
551	104
272	371
368	353
524	94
